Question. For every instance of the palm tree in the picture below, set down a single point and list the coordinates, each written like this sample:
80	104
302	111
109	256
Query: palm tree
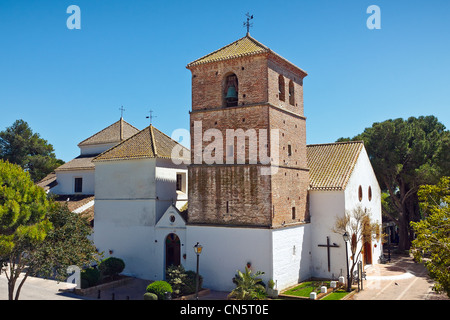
248	286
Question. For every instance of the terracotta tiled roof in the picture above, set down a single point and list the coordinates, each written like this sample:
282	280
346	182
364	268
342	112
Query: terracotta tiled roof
147	143
245	46
111	134
82	162
48	181
75	202
332	164
242	47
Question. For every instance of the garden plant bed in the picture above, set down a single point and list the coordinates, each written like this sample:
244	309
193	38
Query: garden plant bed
336	295
303	290
109	283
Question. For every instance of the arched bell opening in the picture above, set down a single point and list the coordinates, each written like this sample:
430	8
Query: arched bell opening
231	90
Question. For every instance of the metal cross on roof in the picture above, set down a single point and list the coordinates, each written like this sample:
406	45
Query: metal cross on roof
248	24
151	116
121	111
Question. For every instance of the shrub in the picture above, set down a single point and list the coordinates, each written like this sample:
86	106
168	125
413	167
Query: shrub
150	296
111	266
189	285
159	288
90	277
182	282
176	277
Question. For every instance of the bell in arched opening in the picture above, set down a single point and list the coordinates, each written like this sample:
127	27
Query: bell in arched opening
231	91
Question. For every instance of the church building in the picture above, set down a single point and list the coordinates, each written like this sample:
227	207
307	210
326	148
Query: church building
256	194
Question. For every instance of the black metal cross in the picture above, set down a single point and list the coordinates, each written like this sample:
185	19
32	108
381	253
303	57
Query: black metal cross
248	24
328	245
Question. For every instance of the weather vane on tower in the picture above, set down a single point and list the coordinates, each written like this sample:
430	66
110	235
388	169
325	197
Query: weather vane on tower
248	24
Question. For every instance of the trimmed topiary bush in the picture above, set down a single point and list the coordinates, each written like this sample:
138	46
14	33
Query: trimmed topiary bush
150	296
111	267
159	288
89	277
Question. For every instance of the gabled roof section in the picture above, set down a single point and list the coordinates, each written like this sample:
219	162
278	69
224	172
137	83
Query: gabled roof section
332	164
116	132
172	218
48	181
147	143
243	47
82	162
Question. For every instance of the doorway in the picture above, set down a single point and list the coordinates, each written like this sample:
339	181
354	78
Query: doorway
172	250
367	252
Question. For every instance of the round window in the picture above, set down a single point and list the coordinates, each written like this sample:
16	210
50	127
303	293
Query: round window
172	218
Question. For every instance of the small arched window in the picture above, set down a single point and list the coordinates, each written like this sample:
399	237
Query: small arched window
231	90
291	93
369	193
281	89
360	193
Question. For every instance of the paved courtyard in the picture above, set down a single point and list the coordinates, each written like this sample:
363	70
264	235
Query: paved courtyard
401	279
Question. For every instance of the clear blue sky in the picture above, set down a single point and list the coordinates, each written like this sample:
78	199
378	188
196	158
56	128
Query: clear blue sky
69	84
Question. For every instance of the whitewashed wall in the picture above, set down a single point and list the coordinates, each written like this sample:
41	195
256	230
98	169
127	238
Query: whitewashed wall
291	248
127	228
96	148
66	182
131	197
364	176
325	207
130	179
226	250
166	178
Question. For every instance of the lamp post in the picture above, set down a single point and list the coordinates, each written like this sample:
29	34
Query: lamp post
198	250
346	239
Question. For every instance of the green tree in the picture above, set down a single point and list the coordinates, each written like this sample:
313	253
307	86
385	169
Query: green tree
65	245
23	220
406	154
432	243
19	145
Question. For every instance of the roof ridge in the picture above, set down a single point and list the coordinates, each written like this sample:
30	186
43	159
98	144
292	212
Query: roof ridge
152	136
117	145
335	143
257	42
97	133
168	137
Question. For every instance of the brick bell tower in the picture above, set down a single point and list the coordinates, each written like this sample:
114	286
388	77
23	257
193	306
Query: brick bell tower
246	88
